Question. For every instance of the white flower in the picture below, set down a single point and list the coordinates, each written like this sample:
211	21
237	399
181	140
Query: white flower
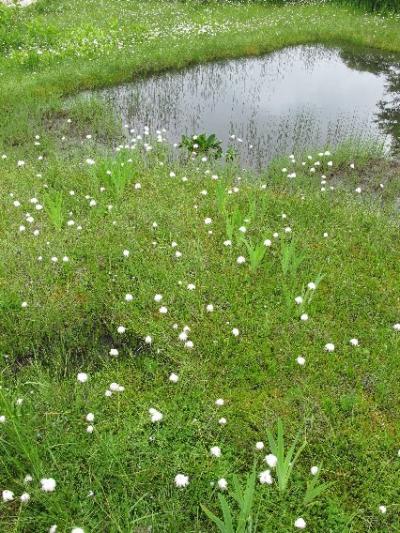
77	530
228	243
128	297
90	429
158	297
235	332
189	344
267	242
215	451
298	300
240	260
287	229
259	445
90	161
300	523
271	460
163	310
148	339
48	484
115	387
265	477
382	509
181	480
125	253
222	421
25	497
7	495
301	360
53	529
396	327
222	484
354	342
304	317
329	347
24	304
2	419
314	470
191	286
121	329
174	378
90	417
220	402
312	286
114	352
358	190
82	377
28	478
207	221
155	415
209	308
242	229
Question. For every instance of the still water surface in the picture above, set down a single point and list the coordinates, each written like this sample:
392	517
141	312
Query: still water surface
294	99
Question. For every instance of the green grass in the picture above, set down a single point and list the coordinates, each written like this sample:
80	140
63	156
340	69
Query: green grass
344	405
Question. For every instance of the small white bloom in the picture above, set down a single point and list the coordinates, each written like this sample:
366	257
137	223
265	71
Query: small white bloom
181	480
240	260
314	470
298	300
228	243
125	253
300	523
7	495
222	484
25	497
158	297
128	297
48	484
90	417
222	421
28	478
163	310
82	377
271	460
90	429
312	286
396	327
156	416
207	221
265	477
301	360
174	378
329	347
209	308
235	332
304	317
259	445
354	342
2	419
382	509
220	402
121	329
148	339
114	352
215	451
77	530
267	242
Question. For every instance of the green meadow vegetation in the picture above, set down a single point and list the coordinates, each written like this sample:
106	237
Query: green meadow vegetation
186	346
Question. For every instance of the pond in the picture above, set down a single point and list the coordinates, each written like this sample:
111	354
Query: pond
291	100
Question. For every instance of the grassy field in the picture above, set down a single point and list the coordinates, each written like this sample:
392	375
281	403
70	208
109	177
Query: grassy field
173	285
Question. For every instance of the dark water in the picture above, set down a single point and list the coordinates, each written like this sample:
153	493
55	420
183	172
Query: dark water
297	98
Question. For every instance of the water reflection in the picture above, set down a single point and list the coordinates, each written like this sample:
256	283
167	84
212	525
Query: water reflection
306	96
